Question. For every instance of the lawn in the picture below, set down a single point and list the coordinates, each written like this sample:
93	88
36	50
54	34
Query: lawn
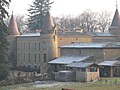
103	84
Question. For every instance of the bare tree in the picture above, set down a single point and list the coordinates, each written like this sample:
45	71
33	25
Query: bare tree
86	22
104	21
22	23
66	22
61	22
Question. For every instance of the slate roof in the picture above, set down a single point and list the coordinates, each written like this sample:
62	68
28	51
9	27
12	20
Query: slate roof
48	24
79	64
30	34
101	34
116	19
68	59
91	45
108	63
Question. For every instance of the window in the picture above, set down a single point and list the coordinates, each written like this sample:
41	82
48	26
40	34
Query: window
29	57
35	57
39	46
39	57
18	46
35	46
29	46
24	46
83	69
18	57
24	56
93	69
44	57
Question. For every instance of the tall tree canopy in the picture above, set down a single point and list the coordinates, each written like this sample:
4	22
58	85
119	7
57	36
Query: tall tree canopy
3	41
37	11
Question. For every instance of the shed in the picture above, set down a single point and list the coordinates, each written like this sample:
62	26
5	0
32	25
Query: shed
59	63
85	71
109	68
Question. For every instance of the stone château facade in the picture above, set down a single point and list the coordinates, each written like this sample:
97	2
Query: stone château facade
33	51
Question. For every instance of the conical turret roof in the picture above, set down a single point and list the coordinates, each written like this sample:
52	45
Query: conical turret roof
116	19
13	28
48	24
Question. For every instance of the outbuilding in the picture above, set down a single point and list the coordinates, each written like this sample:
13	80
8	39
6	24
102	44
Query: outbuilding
84	71
109	68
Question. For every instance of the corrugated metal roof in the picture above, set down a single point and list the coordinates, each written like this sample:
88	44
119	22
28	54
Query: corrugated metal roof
68	59
30	34
90	45
108	63
79	64
101	34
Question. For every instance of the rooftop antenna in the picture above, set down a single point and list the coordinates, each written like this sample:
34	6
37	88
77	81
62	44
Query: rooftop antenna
116	4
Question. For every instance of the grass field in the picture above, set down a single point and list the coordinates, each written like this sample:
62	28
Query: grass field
103	84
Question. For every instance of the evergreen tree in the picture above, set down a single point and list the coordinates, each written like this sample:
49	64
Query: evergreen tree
37	11
3	40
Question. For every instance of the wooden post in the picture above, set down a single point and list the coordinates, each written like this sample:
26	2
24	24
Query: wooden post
111	71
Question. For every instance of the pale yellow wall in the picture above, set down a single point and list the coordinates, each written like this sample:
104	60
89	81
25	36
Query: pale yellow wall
97	53
48	46
68	40
105	39
87	76
23	48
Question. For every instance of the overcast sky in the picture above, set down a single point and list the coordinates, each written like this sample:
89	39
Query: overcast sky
66	7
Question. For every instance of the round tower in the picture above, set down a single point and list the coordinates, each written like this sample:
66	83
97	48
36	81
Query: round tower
13	33
49	42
